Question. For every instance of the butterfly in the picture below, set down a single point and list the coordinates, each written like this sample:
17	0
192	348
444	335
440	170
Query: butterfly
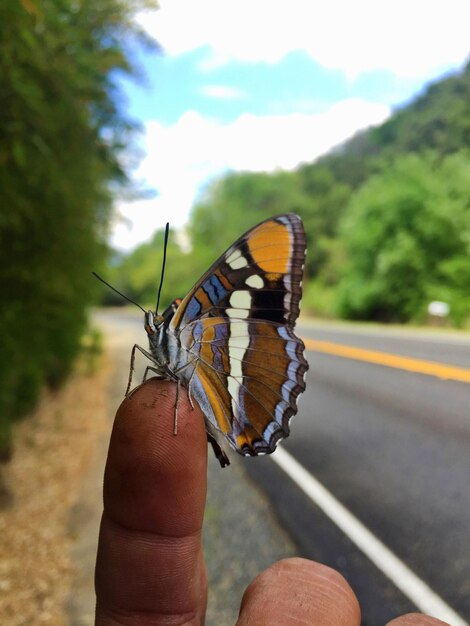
231	340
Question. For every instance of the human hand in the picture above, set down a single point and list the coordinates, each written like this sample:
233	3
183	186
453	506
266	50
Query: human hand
150	567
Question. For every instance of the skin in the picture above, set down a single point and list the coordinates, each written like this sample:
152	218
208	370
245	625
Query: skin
150	566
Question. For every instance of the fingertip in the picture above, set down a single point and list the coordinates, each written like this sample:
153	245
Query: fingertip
296	590
155	480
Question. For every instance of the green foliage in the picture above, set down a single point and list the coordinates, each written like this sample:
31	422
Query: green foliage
325	199
61	133
407	235
319	300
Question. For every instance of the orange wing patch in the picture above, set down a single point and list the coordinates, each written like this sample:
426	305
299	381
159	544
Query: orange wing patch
270	247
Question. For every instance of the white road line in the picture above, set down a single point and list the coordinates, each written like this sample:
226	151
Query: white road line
424	598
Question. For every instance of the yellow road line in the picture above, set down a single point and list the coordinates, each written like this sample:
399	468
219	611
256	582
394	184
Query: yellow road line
440	370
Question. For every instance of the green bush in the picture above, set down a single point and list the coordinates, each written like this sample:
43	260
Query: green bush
407	237
319	300
60	137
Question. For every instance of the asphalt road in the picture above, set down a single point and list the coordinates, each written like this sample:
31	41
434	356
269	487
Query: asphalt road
393	447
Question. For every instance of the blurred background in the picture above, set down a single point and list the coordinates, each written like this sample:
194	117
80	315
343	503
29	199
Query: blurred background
118	116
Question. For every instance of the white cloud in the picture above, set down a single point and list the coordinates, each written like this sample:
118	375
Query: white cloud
223	92
182	157
411	39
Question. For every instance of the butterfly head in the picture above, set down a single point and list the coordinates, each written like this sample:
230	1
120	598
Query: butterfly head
151	322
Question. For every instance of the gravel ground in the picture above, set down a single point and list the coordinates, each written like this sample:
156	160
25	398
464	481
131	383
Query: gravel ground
52	450
49	530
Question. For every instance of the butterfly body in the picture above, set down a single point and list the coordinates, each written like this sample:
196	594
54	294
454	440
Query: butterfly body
164	345
231	340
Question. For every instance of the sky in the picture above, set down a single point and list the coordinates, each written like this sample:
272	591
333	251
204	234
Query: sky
259	85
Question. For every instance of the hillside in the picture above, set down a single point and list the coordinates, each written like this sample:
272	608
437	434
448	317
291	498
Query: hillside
438	119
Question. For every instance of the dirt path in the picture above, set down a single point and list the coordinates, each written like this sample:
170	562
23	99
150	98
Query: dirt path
52	450
85	516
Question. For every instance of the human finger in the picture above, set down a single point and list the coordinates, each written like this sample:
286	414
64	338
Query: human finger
298	591
150	562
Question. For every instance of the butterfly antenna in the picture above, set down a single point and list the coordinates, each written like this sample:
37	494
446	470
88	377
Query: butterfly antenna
114	289
165	245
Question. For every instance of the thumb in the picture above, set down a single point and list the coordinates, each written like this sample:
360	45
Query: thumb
298	591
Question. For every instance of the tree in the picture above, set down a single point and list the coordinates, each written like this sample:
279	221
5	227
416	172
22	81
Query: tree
61	136
407	237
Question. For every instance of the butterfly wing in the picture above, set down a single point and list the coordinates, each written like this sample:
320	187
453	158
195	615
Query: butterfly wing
258	277
247	378
236	325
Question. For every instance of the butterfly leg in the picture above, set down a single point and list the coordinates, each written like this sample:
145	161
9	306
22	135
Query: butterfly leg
148	369
219	453
131	368
175	423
